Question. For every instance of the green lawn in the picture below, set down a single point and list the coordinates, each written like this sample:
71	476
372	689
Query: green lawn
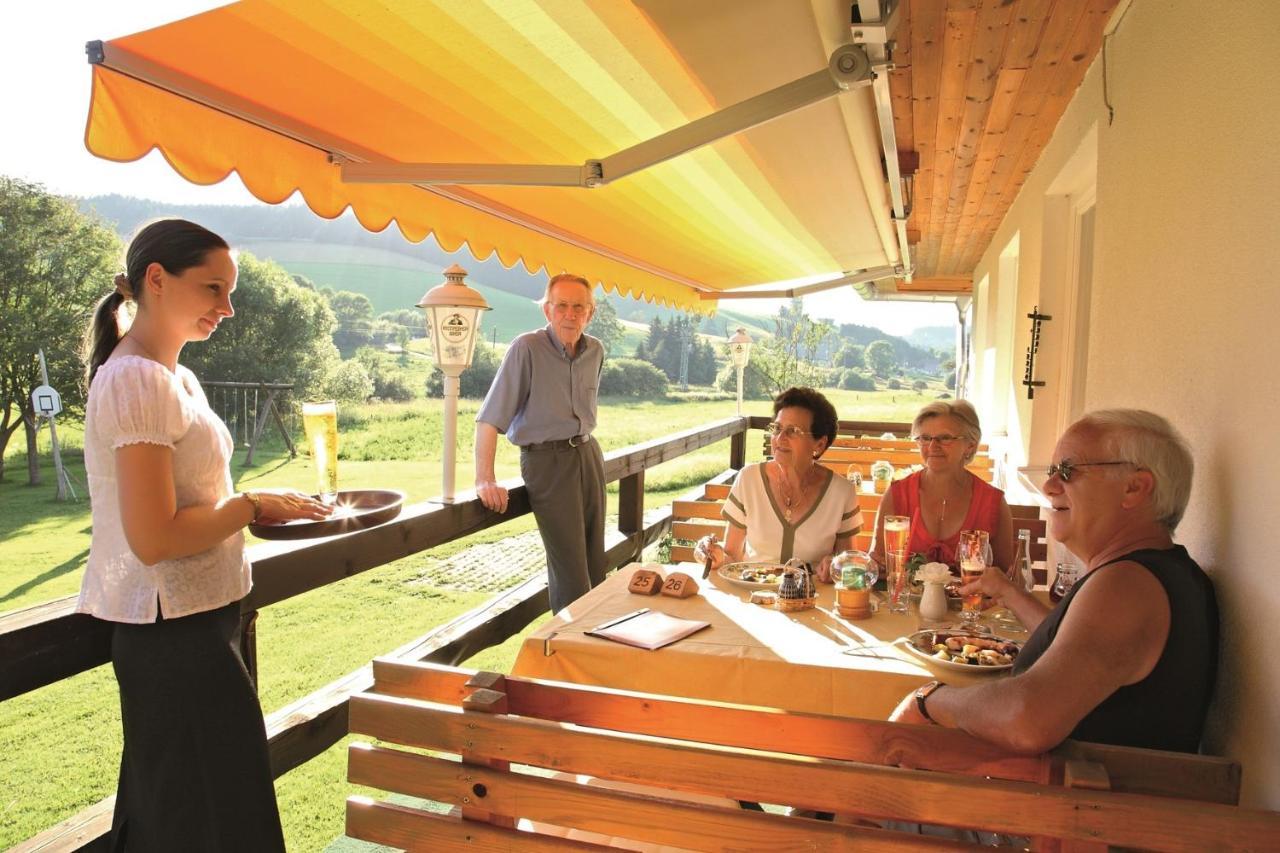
63	741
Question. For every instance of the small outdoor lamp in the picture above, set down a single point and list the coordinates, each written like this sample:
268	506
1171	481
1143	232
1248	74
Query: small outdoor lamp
740	350
453	324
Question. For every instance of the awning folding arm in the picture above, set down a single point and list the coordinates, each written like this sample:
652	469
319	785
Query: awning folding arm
851	279
849	67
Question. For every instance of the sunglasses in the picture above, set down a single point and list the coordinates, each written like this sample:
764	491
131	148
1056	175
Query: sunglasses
1065	469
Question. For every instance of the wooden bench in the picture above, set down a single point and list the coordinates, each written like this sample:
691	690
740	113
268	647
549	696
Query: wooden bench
499	763
841	459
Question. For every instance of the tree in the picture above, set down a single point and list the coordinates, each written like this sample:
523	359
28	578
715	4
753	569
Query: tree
281	332
354	313
881	358
919	385
851	356
407	319
605	326
793	355
55	263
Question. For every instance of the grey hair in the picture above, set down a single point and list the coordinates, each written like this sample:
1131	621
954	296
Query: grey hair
963	412
569	277
1149	442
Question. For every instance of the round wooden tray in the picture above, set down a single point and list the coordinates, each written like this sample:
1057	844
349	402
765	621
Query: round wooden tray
356	509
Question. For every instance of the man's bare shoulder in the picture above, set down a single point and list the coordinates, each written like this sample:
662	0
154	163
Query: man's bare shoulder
1122	613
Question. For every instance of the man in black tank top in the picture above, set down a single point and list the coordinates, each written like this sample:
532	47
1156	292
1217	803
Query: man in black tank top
1129	656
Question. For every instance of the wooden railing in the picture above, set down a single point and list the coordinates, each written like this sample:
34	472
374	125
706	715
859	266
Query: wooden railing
50	642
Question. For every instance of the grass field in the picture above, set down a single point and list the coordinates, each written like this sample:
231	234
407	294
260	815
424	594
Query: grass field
61	743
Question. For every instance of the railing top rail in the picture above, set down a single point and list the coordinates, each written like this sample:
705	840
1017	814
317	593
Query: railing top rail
49	642
847	427
261	386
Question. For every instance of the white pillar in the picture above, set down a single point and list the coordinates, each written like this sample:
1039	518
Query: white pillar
452	386
740	369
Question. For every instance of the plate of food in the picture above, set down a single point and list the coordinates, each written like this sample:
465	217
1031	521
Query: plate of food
956	649
755	574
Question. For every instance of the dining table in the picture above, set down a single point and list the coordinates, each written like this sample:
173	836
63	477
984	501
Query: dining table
810	660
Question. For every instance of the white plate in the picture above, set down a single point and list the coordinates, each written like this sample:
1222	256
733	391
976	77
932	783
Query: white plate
910	644
732	573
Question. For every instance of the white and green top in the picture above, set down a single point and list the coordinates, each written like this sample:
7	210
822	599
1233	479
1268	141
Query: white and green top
753	507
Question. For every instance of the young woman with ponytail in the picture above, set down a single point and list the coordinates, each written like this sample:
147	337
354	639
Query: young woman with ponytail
167	564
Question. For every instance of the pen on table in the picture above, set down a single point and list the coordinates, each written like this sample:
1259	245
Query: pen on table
621	619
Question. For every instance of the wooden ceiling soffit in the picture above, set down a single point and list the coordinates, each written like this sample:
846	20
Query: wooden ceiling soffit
978	88
936	284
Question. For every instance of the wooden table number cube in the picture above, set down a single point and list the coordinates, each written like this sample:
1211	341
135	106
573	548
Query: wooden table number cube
680	585
645	582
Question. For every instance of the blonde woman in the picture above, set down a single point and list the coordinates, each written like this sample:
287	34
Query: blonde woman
944	497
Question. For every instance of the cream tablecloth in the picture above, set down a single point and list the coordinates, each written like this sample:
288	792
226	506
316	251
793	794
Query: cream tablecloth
812	660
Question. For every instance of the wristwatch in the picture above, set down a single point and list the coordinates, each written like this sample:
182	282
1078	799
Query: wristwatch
256	502
922	694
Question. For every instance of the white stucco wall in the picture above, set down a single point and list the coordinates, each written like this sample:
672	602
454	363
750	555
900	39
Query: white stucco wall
1185	306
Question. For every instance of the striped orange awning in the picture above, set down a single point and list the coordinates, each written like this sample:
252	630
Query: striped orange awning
284	91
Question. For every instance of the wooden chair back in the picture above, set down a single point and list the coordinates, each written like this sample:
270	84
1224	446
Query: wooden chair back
628	768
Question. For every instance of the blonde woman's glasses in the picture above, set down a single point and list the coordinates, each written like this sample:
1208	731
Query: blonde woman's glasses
944	440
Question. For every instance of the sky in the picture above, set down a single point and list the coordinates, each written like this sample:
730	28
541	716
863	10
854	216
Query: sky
44	98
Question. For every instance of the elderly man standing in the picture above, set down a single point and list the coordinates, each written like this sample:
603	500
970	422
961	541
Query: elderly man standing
544	400
1129	655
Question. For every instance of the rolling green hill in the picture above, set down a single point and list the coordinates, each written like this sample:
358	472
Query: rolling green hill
392	280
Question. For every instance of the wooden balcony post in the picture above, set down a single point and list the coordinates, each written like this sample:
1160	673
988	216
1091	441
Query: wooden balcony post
738	450
631	507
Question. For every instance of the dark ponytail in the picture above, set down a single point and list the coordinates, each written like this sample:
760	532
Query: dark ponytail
175	244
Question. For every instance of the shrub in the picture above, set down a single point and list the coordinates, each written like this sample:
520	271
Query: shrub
919	385
349	382
630	377
394	387
894	385
855	380
951	381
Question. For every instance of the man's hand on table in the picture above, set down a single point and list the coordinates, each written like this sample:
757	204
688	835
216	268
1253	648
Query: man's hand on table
492	495
908	711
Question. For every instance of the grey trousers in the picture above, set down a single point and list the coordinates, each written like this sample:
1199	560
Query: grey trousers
566	493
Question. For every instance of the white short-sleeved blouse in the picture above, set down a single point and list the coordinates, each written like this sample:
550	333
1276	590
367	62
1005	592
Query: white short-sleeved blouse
752	506
135	400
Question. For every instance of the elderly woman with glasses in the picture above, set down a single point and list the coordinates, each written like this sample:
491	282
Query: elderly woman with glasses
944	498
790	506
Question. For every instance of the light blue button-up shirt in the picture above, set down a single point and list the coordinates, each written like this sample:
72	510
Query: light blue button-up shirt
541	393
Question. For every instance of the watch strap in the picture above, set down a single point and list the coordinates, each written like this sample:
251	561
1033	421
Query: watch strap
922	695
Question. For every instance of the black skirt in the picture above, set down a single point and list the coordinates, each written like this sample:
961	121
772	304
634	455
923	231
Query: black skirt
194	775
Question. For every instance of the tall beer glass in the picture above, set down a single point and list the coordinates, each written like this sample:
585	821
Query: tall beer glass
974	553
897	531
320	420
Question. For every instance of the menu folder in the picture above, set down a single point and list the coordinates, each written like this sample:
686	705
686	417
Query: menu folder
647	629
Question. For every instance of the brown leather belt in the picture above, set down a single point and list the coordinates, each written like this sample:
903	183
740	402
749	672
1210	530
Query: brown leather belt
558	444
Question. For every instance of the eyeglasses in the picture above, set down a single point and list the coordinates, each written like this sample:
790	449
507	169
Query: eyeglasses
789	430
944	440
1066	468
571	307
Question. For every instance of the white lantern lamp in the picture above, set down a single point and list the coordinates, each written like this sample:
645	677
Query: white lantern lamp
453	324
740	351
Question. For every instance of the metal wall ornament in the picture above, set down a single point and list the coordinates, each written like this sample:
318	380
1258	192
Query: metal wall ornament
1028	376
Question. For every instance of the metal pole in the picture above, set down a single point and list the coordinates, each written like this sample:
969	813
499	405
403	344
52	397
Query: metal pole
452	385
53	437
